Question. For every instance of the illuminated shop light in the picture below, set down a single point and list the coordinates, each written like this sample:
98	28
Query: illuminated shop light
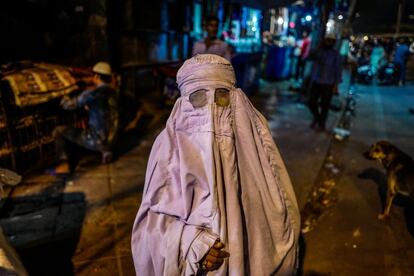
330	26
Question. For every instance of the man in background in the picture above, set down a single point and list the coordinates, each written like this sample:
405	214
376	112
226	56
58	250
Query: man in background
212	44
102	106
304	53
401	55
326	75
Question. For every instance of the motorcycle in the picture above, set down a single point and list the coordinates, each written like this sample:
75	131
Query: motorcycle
365	74
388	74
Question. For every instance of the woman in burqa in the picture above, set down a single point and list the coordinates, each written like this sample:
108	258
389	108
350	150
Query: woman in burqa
217	198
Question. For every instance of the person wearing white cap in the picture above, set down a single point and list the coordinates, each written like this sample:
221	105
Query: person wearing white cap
102	106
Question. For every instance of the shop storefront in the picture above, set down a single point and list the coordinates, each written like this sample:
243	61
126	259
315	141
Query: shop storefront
240	27
244	36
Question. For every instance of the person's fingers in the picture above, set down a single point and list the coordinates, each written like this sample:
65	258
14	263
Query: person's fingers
211	258
216	265
209	264
223	254
218	245
214	252
219	253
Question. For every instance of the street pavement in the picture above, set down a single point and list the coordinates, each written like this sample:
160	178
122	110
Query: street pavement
349	239
346	238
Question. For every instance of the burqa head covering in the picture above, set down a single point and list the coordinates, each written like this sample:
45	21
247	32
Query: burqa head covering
214	173
204	71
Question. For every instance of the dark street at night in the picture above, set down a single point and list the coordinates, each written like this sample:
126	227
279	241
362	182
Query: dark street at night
207	137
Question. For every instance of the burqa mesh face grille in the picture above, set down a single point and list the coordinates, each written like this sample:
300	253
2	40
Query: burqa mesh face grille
199	98
222	97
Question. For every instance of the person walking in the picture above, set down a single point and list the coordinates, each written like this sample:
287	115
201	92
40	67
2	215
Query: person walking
217	197
305	45
402	52
325	76
378	57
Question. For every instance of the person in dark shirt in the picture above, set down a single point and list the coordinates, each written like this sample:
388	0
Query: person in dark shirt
402	52
102	105
326	75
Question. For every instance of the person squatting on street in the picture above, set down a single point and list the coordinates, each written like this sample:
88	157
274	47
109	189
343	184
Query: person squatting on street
217	198
325	76
103	117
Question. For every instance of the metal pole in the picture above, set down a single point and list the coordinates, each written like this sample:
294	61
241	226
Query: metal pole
399	15
351	13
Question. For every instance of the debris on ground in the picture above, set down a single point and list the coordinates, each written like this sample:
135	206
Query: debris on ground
332	168
341	134
356	233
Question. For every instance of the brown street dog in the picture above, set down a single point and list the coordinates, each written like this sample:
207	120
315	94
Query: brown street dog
399	168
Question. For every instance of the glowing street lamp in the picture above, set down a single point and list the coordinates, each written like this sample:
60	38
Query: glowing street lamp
280	21
340	17
308	18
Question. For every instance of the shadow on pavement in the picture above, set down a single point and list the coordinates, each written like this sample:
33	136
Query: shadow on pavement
129	140
44	229
409	217
381	180
302	254
315	273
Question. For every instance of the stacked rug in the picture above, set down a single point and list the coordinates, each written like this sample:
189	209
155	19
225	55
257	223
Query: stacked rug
40	83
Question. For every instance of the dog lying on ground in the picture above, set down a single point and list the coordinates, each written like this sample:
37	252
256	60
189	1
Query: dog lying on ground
399	168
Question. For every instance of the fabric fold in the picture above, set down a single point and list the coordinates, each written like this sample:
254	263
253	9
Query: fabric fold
198	248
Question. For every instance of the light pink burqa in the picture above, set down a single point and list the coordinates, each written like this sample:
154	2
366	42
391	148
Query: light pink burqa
215	172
